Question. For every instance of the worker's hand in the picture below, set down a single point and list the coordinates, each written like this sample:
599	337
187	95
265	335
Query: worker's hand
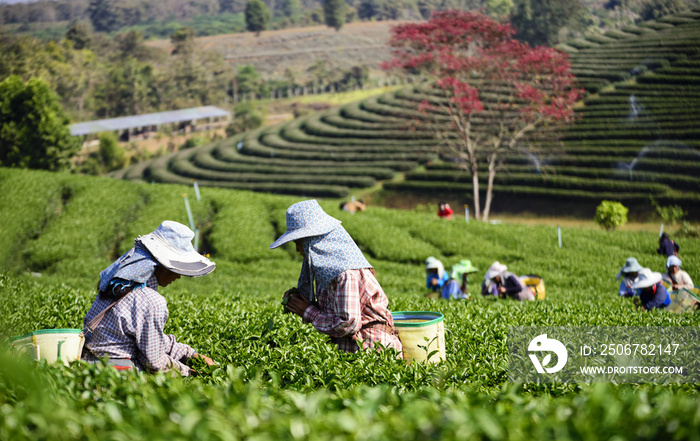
206	359
636	303
297	304
502	289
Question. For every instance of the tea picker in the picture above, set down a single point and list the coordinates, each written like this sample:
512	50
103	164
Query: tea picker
337	291
456	287
126	321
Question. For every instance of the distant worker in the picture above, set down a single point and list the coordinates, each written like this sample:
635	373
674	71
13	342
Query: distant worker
353	206
667	247
347	303
435	276
456	287
506	284
675	276
628	274
652	294
444	211
127	319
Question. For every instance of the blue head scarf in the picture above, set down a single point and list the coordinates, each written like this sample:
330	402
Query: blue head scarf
133	268
327	256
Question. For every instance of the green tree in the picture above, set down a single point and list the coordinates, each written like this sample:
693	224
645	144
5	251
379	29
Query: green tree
291	9
257	16
334	13
111	154
246	117
33	127
368	9
129	89
183	40
193	78
248	80
538	21
103	16
611	215
655	9
80	35
499	8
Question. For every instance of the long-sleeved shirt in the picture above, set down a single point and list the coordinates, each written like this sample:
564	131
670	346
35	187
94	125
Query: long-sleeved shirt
626	288
657	297
667	248
440	281
133	329
515	289
682	278
352	300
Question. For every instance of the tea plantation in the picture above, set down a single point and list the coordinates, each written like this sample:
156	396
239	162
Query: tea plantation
636	139
279	379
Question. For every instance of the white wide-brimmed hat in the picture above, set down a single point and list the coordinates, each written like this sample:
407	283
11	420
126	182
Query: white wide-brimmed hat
673	261
646	278
433	263
171	245
631	266
306	219
496	269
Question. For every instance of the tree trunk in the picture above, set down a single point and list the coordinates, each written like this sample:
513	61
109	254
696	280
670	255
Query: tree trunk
475	189
489	189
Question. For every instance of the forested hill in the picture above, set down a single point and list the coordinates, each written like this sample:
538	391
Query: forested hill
539	22
635	140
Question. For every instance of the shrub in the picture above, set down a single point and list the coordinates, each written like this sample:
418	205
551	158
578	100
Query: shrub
688	230
195	141
671	215
247	117
611	215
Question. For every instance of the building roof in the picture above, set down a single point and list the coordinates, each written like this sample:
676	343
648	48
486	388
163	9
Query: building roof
149	119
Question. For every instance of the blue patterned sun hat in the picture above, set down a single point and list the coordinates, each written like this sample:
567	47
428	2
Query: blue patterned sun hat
327	256
171	245
306	219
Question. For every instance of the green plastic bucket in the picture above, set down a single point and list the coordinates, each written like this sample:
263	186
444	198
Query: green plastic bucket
51	345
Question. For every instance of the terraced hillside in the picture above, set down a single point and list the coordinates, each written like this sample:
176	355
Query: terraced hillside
638	136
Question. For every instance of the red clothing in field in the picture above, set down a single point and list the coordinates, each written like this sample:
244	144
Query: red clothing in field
447	212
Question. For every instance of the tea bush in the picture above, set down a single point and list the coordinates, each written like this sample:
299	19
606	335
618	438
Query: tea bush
278	378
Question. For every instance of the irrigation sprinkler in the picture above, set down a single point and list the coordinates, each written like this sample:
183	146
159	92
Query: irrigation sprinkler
189	211
196	190
559	234
661	230
196	240
466	212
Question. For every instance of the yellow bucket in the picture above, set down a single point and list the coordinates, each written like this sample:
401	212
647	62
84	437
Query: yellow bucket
536	284
683	301
421	328
51	345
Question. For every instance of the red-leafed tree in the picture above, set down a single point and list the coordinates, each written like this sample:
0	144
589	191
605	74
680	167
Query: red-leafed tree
495	94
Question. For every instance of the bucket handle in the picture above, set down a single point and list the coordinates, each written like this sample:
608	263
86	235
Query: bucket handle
25	348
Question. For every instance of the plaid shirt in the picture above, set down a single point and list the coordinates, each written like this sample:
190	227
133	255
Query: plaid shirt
352	300
133	329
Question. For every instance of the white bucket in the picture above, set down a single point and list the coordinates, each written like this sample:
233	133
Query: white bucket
421	328
51	345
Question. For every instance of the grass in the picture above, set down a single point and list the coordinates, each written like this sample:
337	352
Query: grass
278	378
